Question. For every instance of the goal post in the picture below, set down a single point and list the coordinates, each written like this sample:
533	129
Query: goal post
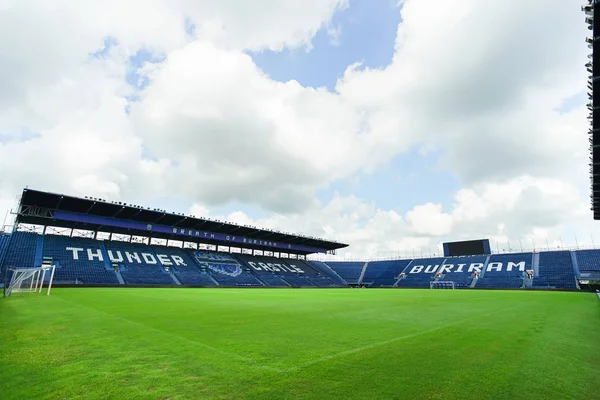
442	285
30	280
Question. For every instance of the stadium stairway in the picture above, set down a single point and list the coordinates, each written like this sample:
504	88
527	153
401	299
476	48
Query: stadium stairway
107	262
213	280
362	273
384	273
423	279
399	277
481	274
299	281
262	282
186	271
575	264
348	270
328	271
466	266
285	272
138	264
177	282
490	277
191	278
243	279
272	280
527	282
285	281
322	281
587	261
120	277
168	271
89	261
535	264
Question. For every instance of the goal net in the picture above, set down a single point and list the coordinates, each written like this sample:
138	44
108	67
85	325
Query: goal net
441	285
30	280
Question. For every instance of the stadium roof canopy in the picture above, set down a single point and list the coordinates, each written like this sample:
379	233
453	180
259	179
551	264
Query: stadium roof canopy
51	209
592	13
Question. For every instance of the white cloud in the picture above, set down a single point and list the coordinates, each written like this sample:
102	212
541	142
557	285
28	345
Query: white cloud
480	81
244	136
522	212
334	33
75	104
428	219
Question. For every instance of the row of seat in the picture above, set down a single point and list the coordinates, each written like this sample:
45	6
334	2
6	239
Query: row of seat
91	262
554	269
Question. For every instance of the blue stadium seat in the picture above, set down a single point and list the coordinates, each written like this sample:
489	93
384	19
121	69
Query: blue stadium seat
421	279
281	271
327	271
349	270
225	269
183	266
138	263
384	273
299	281
322	281
273	280
73	261
4	242
588	260
555	271
87	261
21	251
504	279
461	272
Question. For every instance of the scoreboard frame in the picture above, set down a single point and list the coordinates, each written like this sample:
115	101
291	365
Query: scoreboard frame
480	247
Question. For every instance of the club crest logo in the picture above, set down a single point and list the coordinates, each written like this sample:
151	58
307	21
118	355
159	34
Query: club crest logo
149	227
232	270
222	268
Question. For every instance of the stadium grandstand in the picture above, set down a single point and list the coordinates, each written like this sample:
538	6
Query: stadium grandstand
93	242
113	300
593	84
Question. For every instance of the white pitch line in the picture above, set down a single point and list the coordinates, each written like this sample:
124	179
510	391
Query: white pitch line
255	364
383	343
194	342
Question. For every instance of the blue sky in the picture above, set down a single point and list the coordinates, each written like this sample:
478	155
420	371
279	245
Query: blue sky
529	187
573	102
367	35
407	180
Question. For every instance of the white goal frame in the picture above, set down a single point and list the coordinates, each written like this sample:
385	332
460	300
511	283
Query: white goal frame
33	279
446	284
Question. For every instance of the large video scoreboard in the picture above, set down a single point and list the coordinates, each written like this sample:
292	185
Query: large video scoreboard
467	248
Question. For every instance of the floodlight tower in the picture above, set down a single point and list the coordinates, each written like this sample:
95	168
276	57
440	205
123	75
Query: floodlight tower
592	66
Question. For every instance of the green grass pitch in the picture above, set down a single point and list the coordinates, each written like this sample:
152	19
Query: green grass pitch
127	343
